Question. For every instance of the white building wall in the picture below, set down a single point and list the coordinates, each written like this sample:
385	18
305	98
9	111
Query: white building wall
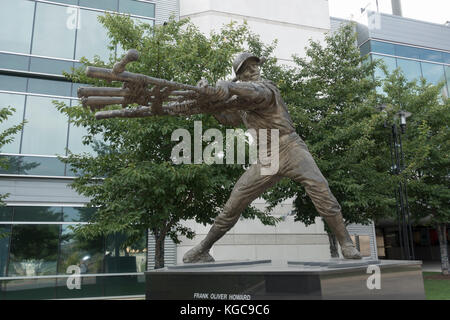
292	22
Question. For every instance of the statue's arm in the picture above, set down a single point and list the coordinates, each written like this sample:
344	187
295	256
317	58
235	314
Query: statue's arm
255	93
229	118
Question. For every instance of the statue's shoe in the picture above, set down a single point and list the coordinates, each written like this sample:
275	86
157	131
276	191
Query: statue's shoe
350	252
197	256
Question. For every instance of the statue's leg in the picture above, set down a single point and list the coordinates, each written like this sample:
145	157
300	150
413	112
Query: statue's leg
249	187
298	164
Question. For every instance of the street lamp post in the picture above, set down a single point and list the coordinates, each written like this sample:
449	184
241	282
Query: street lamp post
401	193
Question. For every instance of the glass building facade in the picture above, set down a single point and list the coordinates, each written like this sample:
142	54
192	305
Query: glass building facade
39	40
414	62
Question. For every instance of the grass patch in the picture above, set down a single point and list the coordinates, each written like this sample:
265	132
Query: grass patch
437	286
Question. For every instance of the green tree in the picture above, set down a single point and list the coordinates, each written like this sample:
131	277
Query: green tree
331	97
132	180
426	146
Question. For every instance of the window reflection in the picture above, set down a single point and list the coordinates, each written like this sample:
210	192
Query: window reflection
46	129
41	166
34	250
27	165
137	7
6	213
75	250
12	83
54	24
51	66
13	62
408	52
28	214
121	256
16	101
100	4
5	232
382	47
410	68
433	73
388	61
81	214
92	38
16	23
50	87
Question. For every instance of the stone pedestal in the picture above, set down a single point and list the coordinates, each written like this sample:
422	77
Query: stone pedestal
288	280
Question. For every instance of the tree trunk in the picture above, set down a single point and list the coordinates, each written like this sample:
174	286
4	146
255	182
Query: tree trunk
333	245
442	235
159	251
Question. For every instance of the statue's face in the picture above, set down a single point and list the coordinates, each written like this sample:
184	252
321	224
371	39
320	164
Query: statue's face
250	71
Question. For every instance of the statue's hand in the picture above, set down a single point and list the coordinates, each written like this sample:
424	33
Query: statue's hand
223	91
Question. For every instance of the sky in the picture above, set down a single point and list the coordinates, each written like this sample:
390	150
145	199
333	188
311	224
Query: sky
436	11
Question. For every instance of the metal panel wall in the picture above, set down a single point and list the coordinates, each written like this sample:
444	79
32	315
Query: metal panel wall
366	230
410	31
40	190
170	252
166	8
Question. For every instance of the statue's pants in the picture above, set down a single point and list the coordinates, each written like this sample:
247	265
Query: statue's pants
295	162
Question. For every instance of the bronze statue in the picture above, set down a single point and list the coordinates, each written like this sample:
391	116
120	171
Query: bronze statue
251	100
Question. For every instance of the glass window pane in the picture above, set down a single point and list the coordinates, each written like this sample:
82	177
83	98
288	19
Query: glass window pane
28	214
74	214
100	4
11	83
123	257
137	7
46	129
410	68
54	25
382	47
11	164
41	166
16	24
6	214
433	73
51	87
51	66
92	38
13	62
17	101
75	250
446	57
76	145
388	61
5	233
34	250
408	52
431	55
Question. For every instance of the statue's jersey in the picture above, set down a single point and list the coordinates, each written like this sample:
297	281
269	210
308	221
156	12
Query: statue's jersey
271	113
